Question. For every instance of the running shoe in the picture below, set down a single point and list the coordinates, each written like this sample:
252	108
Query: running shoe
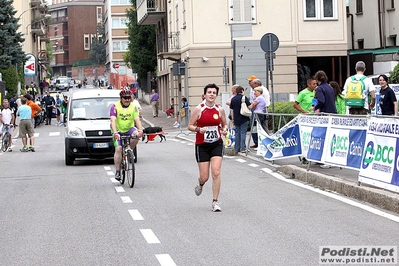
31	148
325	166
216	207
9	150
118	176
177	125
198	190
24	149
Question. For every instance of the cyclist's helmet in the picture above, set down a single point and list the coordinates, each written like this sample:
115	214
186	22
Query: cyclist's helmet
125	93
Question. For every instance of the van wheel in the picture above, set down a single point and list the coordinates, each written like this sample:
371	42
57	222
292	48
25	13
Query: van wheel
68	159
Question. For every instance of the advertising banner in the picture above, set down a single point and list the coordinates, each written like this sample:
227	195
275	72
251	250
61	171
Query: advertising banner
313	132
345	142
380	162
284	143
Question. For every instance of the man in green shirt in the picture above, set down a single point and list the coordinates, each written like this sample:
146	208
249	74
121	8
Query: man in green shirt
303	102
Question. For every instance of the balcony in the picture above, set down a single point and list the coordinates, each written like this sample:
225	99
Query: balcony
59	20
150	12
39	28
171	50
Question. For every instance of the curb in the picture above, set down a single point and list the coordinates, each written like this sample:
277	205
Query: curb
384	199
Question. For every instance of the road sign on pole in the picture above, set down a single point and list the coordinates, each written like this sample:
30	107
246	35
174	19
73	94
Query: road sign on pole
30	65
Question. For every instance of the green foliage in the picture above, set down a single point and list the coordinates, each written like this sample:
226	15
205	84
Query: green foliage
79	63
97	55
394	78
10	39
49	51
9	77
141	55
280	120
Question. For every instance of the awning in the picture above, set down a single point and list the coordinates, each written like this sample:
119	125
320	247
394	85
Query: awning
389	50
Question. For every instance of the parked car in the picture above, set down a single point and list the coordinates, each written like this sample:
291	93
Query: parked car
87	130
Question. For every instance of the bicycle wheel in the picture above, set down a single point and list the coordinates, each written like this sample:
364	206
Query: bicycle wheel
130	171
122	172
5	141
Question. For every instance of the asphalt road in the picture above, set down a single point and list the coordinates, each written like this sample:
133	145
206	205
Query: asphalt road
52	214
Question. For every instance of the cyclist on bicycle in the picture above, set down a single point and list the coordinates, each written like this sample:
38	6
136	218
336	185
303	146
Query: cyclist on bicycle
7	117
124	120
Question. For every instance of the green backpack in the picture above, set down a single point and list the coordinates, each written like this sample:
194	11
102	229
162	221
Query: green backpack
354	92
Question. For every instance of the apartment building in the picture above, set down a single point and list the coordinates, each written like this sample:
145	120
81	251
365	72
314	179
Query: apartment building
33	19
72	28
117	42
207	37
373	27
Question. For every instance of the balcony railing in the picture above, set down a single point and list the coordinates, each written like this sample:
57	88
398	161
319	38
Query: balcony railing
39	28
150	12
173	42
59	19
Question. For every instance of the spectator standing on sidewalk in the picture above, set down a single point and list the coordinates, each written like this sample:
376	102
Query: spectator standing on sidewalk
154	100
209	122
388	102
324	94
35	111
339	98
64	106
303	102
182	113
58	103
239	121
367	92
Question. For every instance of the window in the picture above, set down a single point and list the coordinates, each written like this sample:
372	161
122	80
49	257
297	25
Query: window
359	6
119	2
120	45
242	11
99	14
119	23
320	9
360	44
86	40
93	38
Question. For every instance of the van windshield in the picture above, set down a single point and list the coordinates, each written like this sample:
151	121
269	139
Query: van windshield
89	109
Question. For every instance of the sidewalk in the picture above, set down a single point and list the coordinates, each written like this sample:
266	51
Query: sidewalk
343	181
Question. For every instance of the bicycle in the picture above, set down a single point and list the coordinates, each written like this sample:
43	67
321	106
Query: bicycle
129	157
5	139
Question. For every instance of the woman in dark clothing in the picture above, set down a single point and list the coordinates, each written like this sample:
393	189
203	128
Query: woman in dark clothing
324	94
388	102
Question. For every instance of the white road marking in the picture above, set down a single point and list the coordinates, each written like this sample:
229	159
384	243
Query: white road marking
241	160
253	165
110	173
149	236
36	135
52	134
113	180
165	260
107	168
119	189
136	215
183	142
126	199
337	197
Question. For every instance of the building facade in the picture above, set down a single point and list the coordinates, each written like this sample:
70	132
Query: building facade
373	27
33	18
72	29
116	38
209	37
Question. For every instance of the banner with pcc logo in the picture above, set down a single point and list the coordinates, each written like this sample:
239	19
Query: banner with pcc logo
380	163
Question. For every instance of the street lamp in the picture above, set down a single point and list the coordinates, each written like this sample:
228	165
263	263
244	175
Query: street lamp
42	5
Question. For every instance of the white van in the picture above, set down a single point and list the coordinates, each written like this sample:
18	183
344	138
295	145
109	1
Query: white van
88	132
62	83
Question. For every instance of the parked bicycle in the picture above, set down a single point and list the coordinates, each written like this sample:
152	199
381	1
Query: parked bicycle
129	158
5	138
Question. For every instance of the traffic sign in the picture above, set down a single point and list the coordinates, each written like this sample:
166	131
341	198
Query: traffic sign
269	42
116	65
30	65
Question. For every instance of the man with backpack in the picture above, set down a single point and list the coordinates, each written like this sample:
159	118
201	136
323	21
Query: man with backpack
359	92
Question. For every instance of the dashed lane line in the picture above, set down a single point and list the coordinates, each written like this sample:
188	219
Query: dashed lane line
149	236
119	189
126	199
136	215
165	260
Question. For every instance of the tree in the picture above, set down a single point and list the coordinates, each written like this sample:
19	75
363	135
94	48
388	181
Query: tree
141	55
97	55
394	75
10	39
